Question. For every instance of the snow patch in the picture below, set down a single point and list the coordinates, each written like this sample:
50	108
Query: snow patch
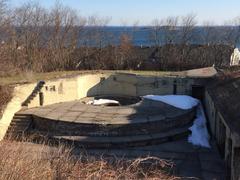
235	57
199	136
199	130
178	101
103	102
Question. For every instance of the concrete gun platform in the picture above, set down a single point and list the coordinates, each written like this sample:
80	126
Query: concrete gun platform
78	112
144	123
147	128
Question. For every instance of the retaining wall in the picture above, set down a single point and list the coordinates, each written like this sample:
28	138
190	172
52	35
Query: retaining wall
74	88
227	141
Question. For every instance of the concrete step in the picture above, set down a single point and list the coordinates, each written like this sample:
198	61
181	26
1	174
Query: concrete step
15	136
16	131
20	123
31	98
19	126
20	120
34	93
19	114
17	120
96	130
119	142
15	128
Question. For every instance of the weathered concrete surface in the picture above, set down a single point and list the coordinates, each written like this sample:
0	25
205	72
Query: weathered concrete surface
19	95
190	161
222	101
145	123
77	87
144	111
202	73
76	118
64	90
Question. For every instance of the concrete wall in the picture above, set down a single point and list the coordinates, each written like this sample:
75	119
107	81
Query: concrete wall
74	88
20	93
228	142
210	112
63	90
136	85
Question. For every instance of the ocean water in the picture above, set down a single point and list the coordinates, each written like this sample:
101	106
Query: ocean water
144	36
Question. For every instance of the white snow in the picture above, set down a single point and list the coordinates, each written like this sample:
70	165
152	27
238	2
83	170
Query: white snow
199	130
199	136
178	101
235	57
102	102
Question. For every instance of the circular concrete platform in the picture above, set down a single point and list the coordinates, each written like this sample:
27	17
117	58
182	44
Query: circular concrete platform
146	122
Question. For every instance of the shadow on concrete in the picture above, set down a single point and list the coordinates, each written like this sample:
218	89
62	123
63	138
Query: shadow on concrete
145	122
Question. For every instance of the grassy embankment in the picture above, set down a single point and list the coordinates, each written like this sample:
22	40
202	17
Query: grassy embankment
30	161
5	97
33	77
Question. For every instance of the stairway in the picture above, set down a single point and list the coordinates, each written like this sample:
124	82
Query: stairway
85	140
18	127
34	93
123	141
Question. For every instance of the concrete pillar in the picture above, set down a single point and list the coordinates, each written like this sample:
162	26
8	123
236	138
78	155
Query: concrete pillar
175	86
41	98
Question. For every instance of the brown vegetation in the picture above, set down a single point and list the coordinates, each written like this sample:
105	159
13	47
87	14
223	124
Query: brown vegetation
6	95
37	39
29	161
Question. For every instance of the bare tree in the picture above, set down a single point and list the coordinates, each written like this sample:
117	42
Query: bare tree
209	34
170	25
188	24
3	9
6	64
231	32
155	35
98	38
29	21
123	53
63	30
237	31
98	35
43	39
4	18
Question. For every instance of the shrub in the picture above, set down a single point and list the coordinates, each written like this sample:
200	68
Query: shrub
6	95
29	161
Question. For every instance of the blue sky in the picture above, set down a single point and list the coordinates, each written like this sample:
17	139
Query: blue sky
130	11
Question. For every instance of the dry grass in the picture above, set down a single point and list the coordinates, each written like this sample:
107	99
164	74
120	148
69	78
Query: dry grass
28	161
5	97
29	77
